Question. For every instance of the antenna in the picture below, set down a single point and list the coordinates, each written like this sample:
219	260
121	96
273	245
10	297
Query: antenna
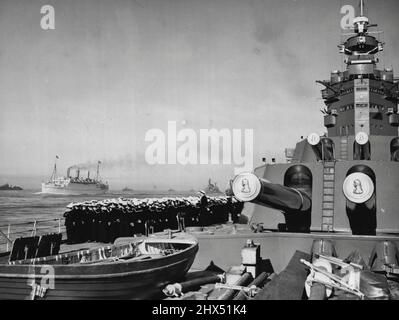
361	8
98	170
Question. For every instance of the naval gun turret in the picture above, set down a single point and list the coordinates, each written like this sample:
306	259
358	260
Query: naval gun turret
295	203
346	179
336	194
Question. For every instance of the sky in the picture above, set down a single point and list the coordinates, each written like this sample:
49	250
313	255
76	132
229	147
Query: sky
112	70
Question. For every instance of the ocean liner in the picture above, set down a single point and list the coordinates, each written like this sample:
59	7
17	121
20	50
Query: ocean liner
76	185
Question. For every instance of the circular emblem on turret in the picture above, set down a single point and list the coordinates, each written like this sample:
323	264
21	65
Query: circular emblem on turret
313	139
246	186
358	187
362	138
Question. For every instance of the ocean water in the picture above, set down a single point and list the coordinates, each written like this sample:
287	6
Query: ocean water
29	205
20	209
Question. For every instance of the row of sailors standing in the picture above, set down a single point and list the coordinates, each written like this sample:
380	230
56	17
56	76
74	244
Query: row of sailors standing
105	220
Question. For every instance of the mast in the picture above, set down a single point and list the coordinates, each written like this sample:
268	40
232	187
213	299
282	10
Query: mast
54	174
362	100
361	8
98	170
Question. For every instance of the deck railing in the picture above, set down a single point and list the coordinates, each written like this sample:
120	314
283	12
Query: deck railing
31	228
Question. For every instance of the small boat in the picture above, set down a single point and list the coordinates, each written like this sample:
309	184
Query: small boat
131	268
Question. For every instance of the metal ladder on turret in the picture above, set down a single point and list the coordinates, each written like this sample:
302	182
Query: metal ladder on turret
344	148
328	196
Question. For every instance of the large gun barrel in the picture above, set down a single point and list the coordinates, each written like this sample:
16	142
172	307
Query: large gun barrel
247	187
359	188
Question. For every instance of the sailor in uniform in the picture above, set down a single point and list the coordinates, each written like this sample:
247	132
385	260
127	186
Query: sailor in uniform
203	200
102	221
142	210
69	224
95	210
106	220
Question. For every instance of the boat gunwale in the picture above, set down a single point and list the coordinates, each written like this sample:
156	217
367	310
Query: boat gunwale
191	250
102	276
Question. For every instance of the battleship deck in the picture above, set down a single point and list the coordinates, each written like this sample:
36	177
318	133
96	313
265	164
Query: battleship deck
229	238
279	247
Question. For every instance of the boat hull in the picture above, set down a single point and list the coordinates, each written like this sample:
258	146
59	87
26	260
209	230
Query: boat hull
73	189
122	280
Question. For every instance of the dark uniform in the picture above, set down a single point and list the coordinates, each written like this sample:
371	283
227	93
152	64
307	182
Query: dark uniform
204	211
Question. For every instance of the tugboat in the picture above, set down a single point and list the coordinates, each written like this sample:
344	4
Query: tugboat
74	185
339	187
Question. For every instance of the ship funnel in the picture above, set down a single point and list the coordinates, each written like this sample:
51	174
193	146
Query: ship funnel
98	171
247	187
361	147
323	148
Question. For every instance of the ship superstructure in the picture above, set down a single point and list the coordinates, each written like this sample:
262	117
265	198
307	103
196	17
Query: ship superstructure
350	175
75	185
